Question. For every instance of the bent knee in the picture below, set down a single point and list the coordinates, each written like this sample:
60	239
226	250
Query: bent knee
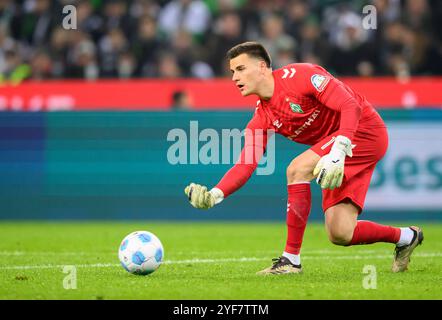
298	173
340	222
340	236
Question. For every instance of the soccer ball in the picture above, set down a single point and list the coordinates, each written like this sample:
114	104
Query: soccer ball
141	252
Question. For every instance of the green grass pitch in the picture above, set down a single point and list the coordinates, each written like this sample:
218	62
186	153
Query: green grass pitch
207	261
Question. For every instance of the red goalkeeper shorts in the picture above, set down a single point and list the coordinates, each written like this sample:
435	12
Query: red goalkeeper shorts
370	146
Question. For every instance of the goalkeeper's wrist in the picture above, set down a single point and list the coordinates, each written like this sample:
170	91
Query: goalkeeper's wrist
342	144
217	194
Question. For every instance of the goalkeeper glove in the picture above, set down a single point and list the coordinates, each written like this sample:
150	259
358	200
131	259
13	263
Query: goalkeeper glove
200	198
330	168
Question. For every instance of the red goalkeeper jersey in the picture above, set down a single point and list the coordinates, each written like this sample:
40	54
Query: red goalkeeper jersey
308	104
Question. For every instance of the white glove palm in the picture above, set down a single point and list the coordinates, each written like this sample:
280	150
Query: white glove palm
330	168
200	198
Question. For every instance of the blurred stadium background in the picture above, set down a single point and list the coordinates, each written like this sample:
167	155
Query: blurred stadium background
85	113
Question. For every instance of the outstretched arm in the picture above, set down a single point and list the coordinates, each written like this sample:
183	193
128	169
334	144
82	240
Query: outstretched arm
238	175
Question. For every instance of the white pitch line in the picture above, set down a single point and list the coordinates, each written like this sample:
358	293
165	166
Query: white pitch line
243	259
60	266
187	253
49	253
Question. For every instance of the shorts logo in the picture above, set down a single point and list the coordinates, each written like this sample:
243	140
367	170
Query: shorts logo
319	81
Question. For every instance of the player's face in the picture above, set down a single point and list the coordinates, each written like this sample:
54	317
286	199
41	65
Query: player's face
247	72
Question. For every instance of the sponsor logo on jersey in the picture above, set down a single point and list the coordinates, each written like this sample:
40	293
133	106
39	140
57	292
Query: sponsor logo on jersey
306	124
319	81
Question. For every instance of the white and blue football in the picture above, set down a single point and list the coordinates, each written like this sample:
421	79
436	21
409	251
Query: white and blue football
141	252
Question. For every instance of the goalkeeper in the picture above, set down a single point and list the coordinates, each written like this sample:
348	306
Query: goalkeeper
306	104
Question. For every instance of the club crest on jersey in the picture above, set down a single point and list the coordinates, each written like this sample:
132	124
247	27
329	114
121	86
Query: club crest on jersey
319	81
296	107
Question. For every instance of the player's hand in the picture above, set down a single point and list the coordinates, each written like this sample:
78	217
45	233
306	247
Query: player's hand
200	198
330	168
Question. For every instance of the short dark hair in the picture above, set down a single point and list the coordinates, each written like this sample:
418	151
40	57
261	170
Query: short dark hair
253	49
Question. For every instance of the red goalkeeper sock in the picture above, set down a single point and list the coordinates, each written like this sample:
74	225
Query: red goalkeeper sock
298	210
367	232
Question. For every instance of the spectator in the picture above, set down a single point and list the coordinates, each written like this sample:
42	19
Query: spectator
7	12
393	50
89	22
34	25
121	39
296	16
116	17
146	46
417	16
41	65
192	16
126	65
387	12
285	54
82	58
226	33
185	51
110	47
144	8
218	7
181	100
6	44
312	47
274	36
59	45
351	51
168	66
14	70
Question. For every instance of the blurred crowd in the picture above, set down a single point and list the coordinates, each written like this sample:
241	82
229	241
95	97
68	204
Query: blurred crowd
189	38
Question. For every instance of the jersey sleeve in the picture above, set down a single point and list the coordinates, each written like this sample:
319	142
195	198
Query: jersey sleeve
332	93
254	148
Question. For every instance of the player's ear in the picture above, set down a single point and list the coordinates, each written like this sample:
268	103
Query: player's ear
262	66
